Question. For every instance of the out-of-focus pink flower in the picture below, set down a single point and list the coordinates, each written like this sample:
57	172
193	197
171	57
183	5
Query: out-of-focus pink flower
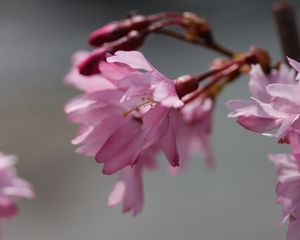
274	105
195	131
12	188
288	191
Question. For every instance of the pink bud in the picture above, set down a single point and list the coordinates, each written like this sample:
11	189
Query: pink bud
90	65
115	30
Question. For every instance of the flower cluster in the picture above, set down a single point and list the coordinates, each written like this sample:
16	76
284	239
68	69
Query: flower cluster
274	110
130	113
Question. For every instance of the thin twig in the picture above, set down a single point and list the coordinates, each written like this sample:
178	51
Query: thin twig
213	46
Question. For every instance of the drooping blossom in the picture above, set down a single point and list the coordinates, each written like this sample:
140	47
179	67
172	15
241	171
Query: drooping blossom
274	107
136	114
288	191
12	188
119	124
193	137
124	126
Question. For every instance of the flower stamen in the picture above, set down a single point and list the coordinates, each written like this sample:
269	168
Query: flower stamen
125	114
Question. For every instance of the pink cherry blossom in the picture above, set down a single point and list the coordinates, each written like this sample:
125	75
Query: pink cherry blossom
195	131
273	107
135	115
288	191
126	125
12	188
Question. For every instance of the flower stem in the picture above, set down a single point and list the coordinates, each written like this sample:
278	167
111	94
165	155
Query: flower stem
216	84
212	46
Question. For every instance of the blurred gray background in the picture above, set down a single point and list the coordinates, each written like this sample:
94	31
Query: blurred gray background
232	202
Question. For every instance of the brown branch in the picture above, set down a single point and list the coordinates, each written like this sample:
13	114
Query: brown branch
213	46
287	29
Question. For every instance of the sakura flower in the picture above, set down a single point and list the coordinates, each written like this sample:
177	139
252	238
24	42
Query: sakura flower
12	188
274	105
148	87
119	124
195	131
288	191
126	123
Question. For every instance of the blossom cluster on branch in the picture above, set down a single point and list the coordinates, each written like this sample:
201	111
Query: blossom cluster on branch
128	112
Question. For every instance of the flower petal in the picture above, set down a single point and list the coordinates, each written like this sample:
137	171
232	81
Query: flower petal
133	59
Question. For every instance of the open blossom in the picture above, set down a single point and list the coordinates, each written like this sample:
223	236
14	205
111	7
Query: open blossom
288	191
130	112
274	105
136	114
12	188
195	131
120	124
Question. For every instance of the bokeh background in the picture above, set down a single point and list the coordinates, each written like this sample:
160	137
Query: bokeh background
233	201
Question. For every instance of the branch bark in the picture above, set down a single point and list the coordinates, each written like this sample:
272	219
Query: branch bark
287	29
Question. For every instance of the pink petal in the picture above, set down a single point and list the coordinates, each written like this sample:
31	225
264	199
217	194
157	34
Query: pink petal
258	83
287	96
168	140
257	124
129	190
155	124
295	65
97	137
165	93
244	108
294	138
285	125
115	71
121	149
133	59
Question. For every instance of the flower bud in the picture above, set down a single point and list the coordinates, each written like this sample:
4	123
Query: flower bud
115	30
90	65
185	85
